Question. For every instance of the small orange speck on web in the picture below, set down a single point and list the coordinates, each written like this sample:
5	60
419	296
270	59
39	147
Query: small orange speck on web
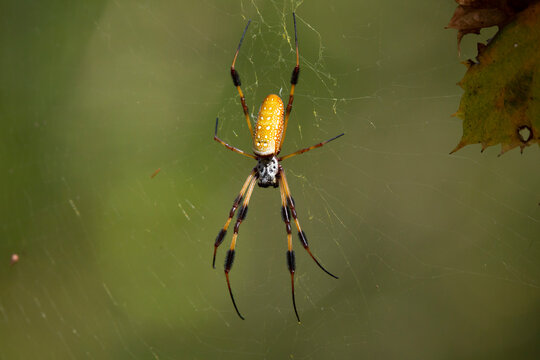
14	259
155	173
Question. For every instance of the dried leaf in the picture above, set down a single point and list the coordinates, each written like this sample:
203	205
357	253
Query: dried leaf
501	102
470	19
473	15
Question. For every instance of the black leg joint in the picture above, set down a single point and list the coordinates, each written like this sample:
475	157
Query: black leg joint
242	213
303	239
229	260
236	78
235	205
294	76
220	237
291	261
293	213
291	201
285	215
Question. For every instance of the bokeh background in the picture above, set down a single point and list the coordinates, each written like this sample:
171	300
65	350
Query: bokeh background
438	255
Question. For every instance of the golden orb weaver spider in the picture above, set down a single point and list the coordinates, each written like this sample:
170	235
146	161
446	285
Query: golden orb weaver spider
268	137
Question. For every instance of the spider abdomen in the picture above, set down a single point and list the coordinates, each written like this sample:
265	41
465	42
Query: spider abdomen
269	127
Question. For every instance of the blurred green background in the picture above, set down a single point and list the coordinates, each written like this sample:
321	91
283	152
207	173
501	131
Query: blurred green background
438	255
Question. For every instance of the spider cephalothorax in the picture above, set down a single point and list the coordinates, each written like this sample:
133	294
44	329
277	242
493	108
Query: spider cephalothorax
267	135
267	170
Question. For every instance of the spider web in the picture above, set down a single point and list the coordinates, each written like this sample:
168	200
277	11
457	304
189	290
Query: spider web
437	254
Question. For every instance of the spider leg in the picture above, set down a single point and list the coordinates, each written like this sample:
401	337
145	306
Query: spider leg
230	147
301	151
291	263
294	81
301	234
230	254
237	83
223	231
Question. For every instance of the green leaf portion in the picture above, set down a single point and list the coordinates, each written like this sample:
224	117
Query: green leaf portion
501	102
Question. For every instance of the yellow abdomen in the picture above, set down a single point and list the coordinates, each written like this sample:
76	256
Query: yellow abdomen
269	127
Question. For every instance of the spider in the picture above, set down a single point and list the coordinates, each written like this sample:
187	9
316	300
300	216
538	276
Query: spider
267	134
